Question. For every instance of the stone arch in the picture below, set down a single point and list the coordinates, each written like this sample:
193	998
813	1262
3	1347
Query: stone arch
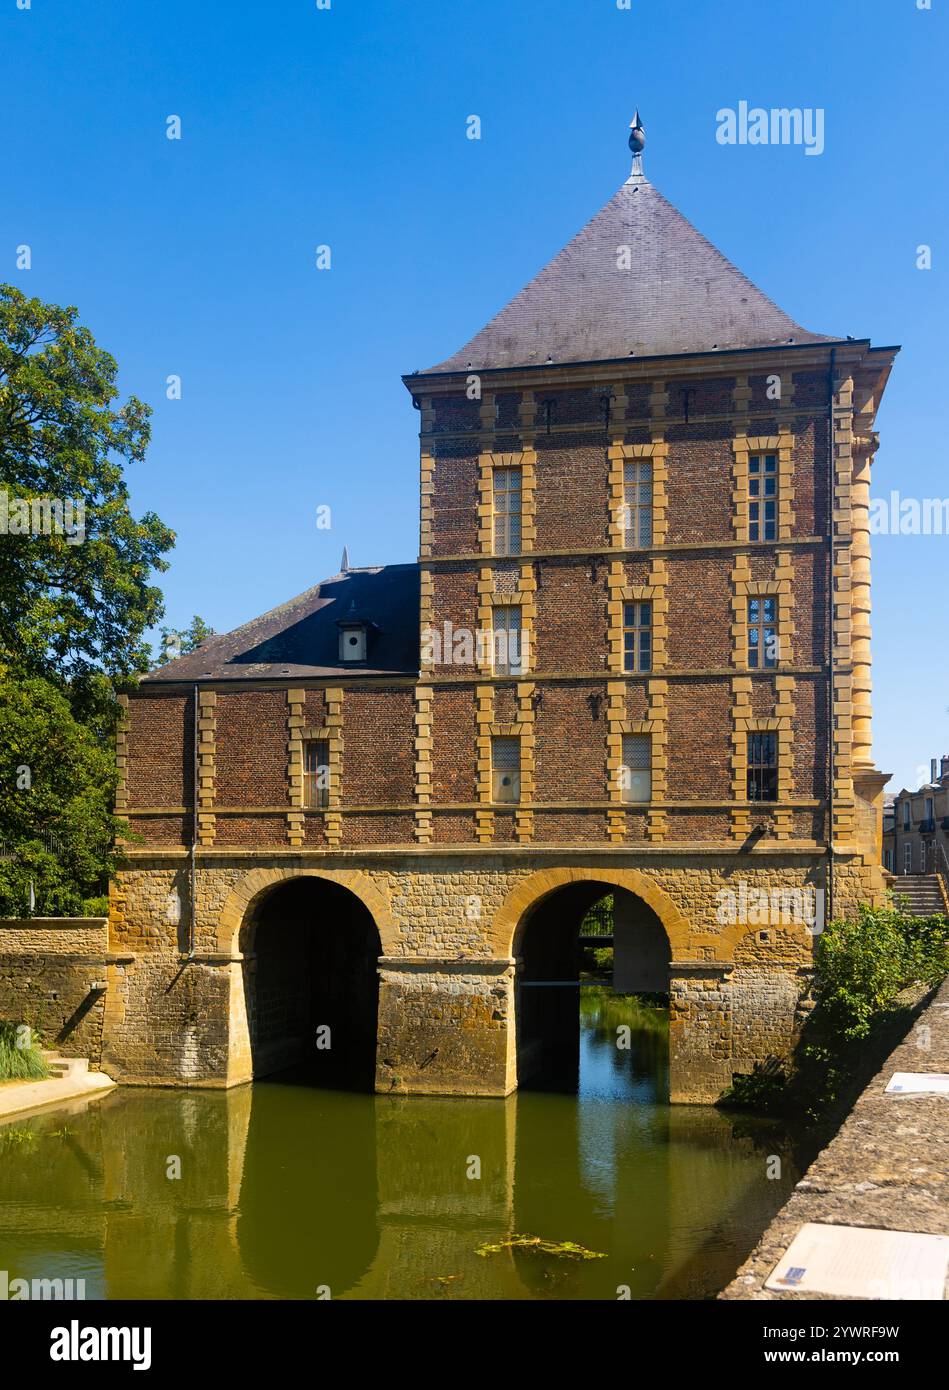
512	913
255	884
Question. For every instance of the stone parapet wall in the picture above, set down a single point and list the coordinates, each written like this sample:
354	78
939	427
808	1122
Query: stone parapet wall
53	935
50	968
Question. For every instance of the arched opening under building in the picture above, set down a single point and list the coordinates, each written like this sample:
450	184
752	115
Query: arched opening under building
311	984
593	961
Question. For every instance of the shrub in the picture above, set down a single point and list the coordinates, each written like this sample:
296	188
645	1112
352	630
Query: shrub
860	970
861	966
19	1063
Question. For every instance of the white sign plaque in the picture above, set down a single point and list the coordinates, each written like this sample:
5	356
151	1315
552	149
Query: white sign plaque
918	1083
858	1262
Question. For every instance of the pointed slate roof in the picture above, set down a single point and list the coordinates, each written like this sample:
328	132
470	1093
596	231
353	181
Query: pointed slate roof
679	295
301	638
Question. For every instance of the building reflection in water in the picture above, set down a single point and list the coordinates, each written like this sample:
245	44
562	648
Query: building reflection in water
286	1190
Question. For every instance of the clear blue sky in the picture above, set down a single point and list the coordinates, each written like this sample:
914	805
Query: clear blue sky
346	127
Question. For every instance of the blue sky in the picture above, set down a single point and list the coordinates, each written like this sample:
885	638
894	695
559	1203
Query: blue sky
304	126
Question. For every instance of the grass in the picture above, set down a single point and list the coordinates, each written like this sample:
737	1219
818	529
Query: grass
19	1062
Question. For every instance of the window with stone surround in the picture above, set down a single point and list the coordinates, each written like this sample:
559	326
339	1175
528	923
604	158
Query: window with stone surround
763	497
505	769
763	767
507	511
316	774
762	633
637	505
637	637
507	641
636	772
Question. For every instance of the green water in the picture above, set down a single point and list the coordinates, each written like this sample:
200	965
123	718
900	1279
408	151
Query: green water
286	1190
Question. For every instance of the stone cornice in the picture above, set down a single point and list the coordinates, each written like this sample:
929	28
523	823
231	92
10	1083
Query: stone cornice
367	855
515	730
614	371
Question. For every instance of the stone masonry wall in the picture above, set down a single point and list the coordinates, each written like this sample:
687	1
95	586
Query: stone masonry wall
48	970
449	939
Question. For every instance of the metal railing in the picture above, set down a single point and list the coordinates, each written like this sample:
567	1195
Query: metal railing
941	869
48	841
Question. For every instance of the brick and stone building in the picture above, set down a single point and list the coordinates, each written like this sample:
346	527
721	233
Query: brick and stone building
633	656
916	841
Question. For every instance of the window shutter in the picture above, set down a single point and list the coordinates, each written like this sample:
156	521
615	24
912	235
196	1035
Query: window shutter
506	769
637	760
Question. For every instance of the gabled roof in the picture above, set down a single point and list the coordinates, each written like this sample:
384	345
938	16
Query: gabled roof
678	295
301	638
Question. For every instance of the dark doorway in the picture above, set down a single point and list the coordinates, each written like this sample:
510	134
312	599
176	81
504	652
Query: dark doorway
585	934
312	985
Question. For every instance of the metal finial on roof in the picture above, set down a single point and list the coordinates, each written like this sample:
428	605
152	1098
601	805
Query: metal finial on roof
344	562
637	143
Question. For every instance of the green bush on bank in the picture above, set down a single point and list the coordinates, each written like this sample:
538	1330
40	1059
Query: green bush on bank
860	970
18	1062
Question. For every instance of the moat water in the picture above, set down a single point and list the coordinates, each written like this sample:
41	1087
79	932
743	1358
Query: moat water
287	1191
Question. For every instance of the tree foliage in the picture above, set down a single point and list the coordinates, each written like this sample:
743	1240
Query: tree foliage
72	610
55	804
861	969
176	643
75	601
861	966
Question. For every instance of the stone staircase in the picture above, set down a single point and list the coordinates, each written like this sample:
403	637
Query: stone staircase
63	1067
922	893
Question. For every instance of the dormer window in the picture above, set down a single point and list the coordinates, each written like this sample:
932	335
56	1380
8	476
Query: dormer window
355	634
352	642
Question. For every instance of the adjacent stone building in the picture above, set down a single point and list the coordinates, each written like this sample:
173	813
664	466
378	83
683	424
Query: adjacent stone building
916	840
633	656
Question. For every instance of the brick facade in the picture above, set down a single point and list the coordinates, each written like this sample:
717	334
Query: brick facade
414	826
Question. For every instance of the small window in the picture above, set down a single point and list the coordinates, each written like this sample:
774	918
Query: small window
507	511
762	633
508	649
506	769
637	506
636	772
930	809
763	497
922	856
353	641
316	774
907	856
762	767
888	859
637	637
907	815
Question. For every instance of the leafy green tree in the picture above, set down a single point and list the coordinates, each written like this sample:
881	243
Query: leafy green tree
862	965
175	643
75	601
57	787
73	607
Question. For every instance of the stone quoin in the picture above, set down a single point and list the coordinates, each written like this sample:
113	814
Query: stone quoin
661	481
